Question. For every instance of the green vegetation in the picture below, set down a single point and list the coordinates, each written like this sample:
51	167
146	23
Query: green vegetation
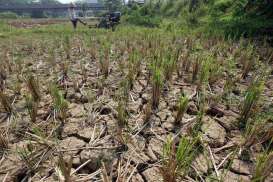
157	83
182	108
142	16
232	18
32	107
250	105
59	103
263	167
95	104
177	161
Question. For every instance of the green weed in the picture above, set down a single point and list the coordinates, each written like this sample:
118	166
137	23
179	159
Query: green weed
195	69
32	107
263	167
251	99
34	88
177	161
59	103
182	108
104	60
157	83
168	66
204	74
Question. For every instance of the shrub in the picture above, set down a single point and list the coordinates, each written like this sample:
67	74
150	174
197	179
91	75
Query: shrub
147	21
143	16
192	19
222	5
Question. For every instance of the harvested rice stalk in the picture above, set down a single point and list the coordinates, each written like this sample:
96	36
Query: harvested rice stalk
4	100
59	103
67	46
34	88
252	96
263	167
178	160
182	108
195	69
3	143
157	84
63	168
32	108
147	112
204	74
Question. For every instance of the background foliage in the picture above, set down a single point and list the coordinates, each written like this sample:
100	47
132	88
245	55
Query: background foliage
234	18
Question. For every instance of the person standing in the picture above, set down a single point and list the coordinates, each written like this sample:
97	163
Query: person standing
73	18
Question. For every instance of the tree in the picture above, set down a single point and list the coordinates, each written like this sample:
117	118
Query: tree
42	14
112	5
84	6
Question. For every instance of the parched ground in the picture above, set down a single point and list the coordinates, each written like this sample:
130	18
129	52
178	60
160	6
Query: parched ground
21	23
91	134
36	23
